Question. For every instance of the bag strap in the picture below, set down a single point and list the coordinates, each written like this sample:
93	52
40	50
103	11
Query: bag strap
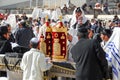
18	61
6	63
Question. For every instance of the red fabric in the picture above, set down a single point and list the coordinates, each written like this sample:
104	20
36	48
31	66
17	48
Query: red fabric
47	23
2	16
61	24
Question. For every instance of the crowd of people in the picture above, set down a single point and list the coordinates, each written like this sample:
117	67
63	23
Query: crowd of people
89	7
86	39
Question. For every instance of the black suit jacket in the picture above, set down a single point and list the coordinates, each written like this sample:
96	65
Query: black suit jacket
90	60
5	46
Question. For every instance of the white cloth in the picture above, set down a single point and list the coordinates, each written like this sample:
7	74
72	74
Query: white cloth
103	43
33	65
58	10
73	33
112	49
42	30
3	78
74	20
47	13
52	24
70	45
68	3
74	40
56	13
13	75
14	45
36	13
34	40
12	21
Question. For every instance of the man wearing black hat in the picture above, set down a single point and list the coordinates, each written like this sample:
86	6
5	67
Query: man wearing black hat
89	57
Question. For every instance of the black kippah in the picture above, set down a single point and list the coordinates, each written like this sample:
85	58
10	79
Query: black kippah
3	30
82	30
107	32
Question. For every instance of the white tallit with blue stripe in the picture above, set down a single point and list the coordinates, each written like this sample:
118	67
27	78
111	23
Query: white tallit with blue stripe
112	49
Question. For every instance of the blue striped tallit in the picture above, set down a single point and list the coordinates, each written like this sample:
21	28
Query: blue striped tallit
112	49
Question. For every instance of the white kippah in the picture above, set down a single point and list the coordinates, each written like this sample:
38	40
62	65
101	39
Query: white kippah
34	40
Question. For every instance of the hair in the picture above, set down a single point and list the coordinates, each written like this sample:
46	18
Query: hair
82	35
82	32
3	30
78	10
8	25
34	42
97	37
34	45
107	32
23	23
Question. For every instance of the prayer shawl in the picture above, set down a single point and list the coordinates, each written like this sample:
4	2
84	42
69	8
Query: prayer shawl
112	49
12	21
73	20
36	13
56	13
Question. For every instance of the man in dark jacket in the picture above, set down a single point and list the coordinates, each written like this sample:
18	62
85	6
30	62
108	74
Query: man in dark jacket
23	35
5	45
89	58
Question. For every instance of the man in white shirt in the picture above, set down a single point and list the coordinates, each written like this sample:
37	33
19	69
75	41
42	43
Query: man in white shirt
33	62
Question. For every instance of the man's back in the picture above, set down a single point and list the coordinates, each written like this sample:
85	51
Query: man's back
33	64
23	36
88	60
